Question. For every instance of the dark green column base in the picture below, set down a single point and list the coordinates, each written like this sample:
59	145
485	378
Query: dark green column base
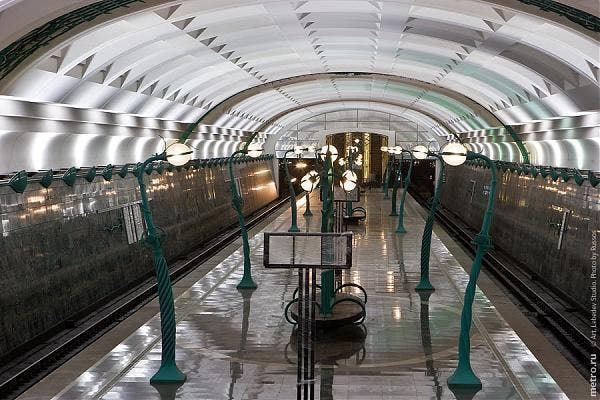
168	373
307	213
293	228
464	378
246	283
424	286
400	229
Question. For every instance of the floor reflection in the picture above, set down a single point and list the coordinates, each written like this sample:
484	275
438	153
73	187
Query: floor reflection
238	345
236	368
344	343
427	348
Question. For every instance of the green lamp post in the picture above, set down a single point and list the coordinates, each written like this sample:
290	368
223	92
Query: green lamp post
392	151
463	376
307	212
298	151
400	228
348	181
309	182
253	150
352	151
386	173
328	155
177	154
420	152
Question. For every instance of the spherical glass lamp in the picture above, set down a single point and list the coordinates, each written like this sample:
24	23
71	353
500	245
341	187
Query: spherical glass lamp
341	161
254	150
298	150
310	181
454	154
420	152
331	149
395	150
348	180
178	154
384	148
311	148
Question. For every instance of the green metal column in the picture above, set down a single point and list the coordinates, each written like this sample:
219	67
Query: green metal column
168	371
247	282
400	228
386	178
397	177
307	212
464	376
294	226
424	283
350	162
327	276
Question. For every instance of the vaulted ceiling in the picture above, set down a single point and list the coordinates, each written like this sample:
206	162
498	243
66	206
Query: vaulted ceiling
467	69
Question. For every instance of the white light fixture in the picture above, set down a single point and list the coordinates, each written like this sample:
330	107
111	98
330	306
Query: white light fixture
311	148
384	148
420	152
298	150
331	149
300	165
310	181
454	154
178	154
254	150
348	180
341	162
395	150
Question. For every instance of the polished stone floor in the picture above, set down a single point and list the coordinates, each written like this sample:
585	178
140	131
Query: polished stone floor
236	345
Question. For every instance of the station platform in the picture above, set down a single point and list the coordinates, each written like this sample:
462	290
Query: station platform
234	346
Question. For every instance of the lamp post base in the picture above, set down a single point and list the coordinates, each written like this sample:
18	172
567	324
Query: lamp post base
424	286
246	283
307	213
464	378
393	214
168	373
400	229
294	228
386	196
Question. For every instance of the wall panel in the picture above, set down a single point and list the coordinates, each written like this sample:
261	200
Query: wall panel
527	219
64	248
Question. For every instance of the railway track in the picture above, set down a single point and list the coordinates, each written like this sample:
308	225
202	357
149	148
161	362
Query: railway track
47	355
567	322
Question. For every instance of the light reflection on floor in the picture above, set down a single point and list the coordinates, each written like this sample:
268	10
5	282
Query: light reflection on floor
234	346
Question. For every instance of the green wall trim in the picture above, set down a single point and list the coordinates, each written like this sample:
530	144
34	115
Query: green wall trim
554	173
19	181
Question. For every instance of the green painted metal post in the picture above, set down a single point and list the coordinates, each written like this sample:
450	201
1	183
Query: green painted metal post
400	228
386	178
307	212
397	177
168	371
327	276
464	376
247	282
294	226
350	162
424	284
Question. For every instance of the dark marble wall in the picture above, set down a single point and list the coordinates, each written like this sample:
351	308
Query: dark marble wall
528	214
64	248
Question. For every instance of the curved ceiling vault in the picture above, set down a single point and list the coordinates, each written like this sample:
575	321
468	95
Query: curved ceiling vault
466	68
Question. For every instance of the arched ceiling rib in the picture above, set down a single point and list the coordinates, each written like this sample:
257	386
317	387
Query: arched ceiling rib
178	60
